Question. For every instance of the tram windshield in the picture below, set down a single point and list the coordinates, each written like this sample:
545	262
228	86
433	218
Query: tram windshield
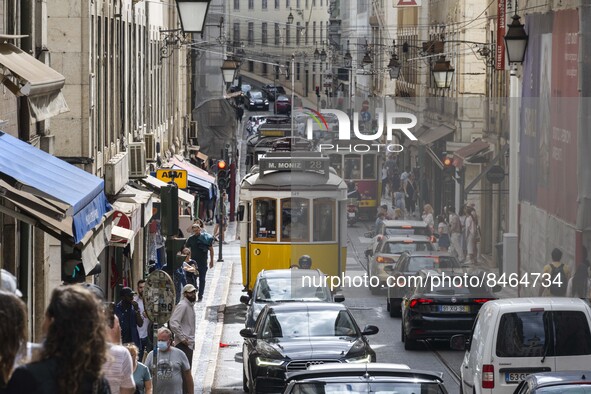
295	220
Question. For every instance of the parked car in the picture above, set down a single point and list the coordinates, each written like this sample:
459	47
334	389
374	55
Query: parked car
410	263
386	250
272	91
291	336
283	105
578	382
368	378
255	99
287	285
439	308
515	337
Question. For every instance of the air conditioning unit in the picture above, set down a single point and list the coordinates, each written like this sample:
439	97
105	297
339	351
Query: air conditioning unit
116	173
150	141
137	160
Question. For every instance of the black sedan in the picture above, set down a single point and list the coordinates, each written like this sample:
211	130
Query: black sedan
442	305
255	99
292	336
368	378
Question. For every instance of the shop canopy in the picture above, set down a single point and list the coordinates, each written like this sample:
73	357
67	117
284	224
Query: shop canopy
69	199
196	175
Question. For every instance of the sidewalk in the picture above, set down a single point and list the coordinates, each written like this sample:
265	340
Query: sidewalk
209	314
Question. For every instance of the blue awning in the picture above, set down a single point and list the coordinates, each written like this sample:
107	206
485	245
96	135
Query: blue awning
69	190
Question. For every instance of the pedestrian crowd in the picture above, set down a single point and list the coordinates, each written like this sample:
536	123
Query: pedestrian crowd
94	347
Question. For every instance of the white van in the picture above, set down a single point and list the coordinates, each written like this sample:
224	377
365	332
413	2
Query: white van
512	338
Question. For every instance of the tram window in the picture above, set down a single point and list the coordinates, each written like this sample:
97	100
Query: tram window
369	167
324	219
264	225
295	223
336	162
353	167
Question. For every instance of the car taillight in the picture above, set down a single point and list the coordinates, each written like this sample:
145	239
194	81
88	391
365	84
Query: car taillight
419	301
384	260
488	376
482	300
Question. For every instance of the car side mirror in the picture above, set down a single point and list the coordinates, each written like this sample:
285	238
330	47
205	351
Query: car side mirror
370	330
339	298
245	299
459	342
247	333
241	213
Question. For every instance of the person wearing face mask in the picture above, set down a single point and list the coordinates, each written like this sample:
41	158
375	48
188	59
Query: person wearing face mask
174	371
182	322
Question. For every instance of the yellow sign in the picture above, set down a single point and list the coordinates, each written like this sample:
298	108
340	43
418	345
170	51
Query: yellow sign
177	176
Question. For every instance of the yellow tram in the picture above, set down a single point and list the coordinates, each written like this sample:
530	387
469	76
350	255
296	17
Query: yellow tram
293	204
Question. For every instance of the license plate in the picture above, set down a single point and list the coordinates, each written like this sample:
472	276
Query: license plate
515	377
351	214
454	308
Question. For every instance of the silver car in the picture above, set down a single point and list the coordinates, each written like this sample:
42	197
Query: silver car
385	251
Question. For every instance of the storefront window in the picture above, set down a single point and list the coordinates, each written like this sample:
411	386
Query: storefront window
265	219
324	220
353	167
369	167
295	220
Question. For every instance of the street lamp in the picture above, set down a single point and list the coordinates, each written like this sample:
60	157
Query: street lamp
394	67
516	41
316	54
290	18
229	68
192	14
442	73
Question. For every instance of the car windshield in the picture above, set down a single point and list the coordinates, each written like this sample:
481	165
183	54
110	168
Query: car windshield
571	389
290	289
418	263
407	231
369	387
399	247
316	323
256	94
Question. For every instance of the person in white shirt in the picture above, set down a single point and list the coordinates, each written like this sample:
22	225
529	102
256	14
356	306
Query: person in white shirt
143	331
182	322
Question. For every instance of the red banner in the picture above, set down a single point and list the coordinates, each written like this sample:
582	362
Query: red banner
501	25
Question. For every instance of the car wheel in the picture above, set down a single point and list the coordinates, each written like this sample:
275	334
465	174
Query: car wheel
395	311
410	344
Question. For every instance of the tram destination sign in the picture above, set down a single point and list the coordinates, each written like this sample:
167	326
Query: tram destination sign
314	164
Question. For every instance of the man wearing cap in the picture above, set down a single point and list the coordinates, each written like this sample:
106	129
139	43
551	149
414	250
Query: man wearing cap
130	318
182	322
8	283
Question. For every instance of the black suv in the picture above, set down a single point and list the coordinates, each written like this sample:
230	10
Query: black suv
272	91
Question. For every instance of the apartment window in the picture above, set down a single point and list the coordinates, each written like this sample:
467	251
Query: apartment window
313	3
264	4
306	4
298	32
251	33
287	4
276	4
236	4
264	33
299	4
314	33
321	31
236	32
277	34
298	71
251	66
250	4
265	69
306	34
287	35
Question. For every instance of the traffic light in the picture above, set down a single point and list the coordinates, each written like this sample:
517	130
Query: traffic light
223	175
448	166
317	91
